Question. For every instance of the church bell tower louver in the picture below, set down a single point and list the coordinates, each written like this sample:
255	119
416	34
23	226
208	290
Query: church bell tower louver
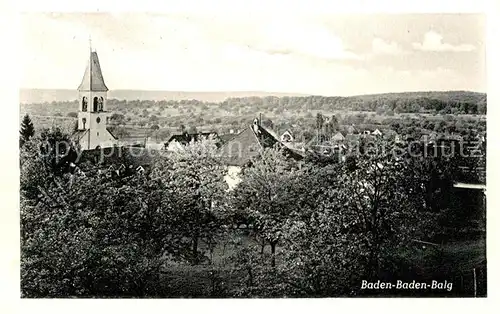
93	116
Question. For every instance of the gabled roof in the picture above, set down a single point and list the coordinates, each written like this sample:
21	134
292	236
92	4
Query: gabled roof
224	138
92	78
186	138
287	131
352	137
242	148
338	137
351	129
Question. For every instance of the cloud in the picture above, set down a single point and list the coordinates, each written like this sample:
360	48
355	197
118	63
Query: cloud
302	38
380	46
433	41
219	53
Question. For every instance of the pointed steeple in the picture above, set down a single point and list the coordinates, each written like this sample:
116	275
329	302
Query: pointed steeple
93	79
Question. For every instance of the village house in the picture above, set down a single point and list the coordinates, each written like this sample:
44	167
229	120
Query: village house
338	137
351	129
238	152
377	132
177	141
287	136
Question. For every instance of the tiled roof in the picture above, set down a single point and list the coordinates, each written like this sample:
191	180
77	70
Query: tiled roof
93	79
287	131
351	129
186	138
338	136
246	145
352	137
240	149
224	138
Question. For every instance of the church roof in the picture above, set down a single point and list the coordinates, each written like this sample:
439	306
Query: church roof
93	79
78	135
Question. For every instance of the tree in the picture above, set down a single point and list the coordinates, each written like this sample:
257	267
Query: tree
93	242
265	196
193	130
378	206
334	122
79	240
27	130
193	178
481	108
363	216
154	131
120	132
319	121
268	123
164	134
117	118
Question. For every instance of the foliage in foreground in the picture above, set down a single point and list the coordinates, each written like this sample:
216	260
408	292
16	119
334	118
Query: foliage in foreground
325	227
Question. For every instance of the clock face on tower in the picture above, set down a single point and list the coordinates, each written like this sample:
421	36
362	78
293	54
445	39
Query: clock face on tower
98	120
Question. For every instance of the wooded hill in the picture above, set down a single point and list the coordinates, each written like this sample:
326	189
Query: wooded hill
453	102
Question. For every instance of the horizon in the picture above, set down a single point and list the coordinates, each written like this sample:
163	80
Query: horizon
265	93
329	55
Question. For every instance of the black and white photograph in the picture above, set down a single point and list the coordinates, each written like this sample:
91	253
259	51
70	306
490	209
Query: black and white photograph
276	154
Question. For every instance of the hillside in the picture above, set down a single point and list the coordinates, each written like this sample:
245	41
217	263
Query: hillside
30	96
458	96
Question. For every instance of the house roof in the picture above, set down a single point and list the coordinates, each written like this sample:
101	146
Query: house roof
240	149
186	138
224	138
116	156
352	137
93	79
352	129
79	134
247	145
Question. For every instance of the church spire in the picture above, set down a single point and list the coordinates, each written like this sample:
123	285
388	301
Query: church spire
90	61
93	79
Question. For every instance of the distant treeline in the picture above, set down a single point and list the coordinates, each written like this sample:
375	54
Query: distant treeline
430	102
455	102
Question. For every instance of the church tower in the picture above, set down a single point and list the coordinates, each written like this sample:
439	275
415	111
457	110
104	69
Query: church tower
93	116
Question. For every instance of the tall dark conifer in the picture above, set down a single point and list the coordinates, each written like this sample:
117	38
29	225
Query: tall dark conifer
27	130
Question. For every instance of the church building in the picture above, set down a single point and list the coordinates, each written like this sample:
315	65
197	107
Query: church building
93	117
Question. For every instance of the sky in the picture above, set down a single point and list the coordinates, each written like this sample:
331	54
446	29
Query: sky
280	51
